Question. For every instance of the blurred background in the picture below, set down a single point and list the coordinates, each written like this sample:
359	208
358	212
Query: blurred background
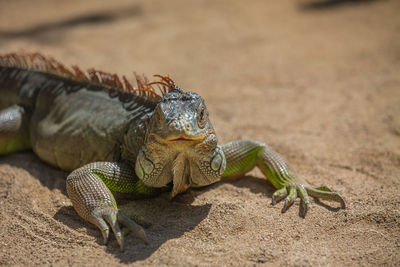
219	48
297	62
318	80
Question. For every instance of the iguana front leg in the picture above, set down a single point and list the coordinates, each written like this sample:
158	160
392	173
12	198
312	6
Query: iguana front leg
14	134
243	155
89	190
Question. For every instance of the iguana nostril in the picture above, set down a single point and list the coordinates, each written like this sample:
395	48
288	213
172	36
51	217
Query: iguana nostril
187	127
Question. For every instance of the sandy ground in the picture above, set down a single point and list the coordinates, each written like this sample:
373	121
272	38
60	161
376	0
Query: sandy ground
317	80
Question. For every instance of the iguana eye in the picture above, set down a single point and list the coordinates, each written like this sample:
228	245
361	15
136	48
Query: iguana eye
202	117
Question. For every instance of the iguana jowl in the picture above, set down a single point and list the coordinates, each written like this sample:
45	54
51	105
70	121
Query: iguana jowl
120	140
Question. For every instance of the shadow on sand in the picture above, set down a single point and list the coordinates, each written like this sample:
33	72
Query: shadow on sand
321	5
168	219
53	31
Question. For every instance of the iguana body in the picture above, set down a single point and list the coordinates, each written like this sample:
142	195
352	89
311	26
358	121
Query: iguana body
119	140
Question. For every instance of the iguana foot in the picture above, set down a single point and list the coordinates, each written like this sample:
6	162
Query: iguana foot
101	216
291	191
106	217
243	155
94	202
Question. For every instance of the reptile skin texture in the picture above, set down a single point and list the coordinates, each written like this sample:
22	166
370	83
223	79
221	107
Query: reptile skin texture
120	141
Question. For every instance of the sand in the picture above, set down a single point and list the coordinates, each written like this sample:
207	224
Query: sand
319	81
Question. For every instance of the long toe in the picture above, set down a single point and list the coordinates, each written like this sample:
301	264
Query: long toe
326	195
111	218
279	195
136	229
305	201
102	225
289	200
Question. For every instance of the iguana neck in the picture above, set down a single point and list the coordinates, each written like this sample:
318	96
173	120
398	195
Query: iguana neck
134	139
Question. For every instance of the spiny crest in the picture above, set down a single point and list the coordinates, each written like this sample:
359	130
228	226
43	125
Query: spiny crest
36	61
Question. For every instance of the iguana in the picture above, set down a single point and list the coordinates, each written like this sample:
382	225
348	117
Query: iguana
118	140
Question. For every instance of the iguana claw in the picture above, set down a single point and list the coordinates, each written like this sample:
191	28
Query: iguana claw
304	191
279	195
94	202
105	217
133	227
326	192
243	155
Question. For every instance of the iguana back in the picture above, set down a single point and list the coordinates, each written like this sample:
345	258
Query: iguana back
74	117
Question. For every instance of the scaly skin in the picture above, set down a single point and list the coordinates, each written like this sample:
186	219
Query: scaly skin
242	156
117	143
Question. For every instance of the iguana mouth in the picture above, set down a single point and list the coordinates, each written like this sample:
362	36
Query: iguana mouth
186	138
176	139
181	139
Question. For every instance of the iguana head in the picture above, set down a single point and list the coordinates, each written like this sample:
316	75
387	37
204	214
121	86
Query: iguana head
180	144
